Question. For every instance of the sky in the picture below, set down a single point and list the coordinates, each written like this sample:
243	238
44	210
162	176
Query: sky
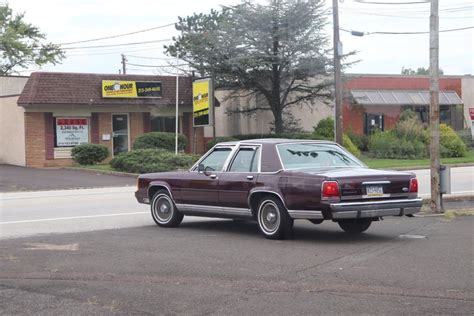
66	21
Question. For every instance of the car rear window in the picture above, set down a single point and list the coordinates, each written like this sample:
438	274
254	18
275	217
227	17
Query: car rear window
302	156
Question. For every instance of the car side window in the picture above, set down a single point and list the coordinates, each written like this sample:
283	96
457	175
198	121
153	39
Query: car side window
246	160
216	159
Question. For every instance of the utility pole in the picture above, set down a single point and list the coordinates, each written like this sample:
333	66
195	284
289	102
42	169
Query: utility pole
337	74
434	108
124	64
177	111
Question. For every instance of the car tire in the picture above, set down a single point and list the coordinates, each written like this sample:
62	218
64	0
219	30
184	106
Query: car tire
273	219
163	210
355	226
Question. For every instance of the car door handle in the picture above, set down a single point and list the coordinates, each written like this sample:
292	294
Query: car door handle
249	177
213	176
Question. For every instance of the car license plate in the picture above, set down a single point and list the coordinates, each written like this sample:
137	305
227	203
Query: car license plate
374	190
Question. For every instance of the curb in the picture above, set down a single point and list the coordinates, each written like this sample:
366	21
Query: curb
106	172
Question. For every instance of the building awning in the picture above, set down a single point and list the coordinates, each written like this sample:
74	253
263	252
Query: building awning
404	97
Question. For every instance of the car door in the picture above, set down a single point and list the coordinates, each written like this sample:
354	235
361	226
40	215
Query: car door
200	188
239	178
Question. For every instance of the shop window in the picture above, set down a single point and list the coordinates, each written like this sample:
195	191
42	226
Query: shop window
373	122
163	124
445	115
71	131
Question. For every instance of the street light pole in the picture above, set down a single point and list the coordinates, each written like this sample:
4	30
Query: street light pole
337	74
434	108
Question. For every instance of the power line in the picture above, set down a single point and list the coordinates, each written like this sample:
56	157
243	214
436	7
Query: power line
403	33
404	17
116	45
118	35
149	57
156	66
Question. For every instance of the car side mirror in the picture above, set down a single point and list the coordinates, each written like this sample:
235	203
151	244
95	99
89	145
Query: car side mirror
201	168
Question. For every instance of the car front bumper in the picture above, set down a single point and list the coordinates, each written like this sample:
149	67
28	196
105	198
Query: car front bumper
375	208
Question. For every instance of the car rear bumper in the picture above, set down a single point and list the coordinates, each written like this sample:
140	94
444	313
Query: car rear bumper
375	208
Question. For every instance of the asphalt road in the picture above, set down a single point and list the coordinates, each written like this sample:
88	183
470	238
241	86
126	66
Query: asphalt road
419	266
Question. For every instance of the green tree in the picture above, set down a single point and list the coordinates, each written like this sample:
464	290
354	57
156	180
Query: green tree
275	51
22	44
418	71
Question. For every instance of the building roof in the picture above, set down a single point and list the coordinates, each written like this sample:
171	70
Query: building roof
50	88
404	97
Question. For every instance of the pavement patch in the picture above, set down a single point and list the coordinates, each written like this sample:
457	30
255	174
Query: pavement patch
41	246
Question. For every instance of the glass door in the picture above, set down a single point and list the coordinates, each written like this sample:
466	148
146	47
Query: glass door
120	133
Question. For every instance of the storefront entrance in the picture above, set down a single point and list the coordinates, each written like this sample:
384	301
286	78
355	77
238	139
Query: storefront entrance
120	133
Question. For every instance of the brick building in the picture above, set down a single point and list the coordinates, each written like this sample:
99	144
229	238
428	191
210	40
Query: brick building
376	101
56	111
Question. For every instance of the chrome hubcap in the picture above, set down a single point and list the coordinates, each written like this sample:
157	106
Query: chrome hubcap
163	208
269	217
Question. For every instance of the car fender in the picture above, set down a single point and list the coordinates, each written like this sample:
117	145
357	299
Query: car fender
159	184
270	190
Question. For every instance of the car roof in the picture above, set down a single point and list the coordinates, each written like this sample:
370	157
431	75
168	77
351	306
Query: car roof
274	141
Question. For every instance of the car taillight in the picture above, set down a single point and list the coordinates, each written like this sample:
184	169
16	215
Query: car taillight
413	185
330	189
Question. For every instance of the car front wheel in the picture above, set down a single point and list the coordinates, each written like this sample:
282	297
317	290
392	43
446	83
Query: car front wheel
355	226
164	211
273	219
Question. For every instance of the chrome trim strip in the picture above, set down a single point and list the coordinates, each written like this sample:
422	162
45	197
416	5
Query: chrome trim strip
358	197
375	205
375	182
376	196
305	214
375	213
213	209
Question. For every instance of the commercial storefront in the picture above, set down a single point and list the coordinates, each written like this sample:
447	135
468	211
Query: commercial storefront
374	102
57	111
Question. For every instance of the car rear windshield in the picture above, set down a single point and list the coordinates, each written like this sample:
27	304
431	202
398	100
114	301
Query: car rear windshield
303	156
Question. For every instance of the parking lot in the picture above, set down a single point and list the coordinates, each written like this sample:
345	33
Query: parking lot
400	266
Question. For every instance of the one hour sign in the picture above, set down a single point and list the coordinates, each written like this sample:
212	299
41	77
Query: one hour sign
71	132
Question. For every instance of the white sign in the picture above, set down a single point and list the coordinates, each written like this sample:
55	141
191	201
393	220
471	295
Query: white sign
71	132
105	136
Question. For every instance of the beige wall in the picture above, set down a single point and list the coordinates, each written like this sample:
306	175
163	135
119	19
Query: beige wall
259	122
12	132
467	88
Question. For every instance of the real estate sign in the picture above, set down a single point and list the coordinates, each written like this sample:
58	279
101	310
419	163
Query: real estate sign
131	89
71	132
203	97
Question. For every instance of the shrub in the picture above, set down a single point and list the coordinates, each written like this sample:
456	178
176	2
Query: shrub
89	154
389	145
411	129
324	129
466	137
361	141
408	114
216	140
152	160
157	140
349	145
451	143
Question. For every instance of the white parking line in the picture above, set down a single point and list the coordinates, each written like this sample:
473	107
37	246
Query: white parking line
69	218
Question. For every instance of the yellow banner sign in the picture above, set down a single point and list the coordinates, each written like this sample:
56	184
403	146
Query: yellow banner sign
202	102
131	89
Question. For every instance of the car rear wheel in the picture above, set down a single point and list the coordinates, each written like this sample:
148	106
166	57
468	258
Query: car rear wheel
273	219
164	211
355	226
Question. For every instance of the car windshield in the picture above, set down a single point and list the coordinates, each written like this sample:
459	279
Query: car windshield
303	156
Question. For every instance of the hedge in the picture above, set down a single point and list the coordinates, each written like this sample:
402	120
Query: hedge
160	140
89	154
152	160
389	145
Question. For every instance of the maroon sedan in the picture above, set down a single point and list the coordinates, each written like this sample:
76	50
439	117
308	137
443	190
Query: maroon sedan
275	181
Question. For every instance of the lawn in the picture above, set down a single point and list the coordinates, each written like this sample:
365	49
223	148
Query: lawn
410	163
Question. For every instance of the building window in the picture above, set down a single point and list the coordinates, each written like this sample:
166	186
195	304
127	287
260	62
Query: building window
373	123
71	131
163	124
